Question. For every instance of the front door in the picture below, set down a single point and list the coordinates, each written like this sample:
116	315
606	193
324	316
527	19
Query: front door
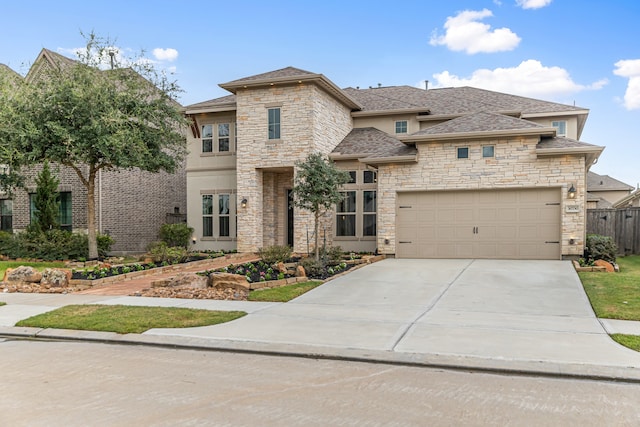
290	217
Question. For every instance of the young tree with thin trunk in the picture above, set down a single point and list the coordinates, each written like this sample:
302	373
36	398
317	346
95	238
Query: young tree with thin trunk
317	188
101	112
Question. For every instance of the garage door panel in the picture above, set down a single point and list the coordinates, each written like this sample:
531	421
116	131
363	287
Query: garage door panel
481	224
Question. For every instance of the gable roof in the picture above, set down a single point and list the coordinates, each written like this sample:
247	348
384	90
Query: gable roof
597	182
372	145
291	76
225	103
479	125
628	200
5	69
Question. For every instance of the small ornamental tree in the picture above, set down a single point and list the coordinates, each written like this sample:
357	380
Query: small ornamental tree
46	201
317	188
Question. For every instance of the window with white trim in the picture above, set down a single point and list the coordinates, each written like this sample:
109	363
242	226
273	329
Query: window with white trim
218	137
401	126
207	138
207	215
223	215
217	212
223	137
369	211
346	214
561	127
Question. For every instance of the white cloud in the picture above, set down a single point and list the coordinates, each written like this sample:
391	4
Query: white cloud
530	78
165	54
533	4
464	32
630	68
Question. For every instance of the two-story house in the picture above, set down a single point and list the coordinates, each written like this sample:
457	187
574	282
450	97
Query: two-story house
131	205
439	173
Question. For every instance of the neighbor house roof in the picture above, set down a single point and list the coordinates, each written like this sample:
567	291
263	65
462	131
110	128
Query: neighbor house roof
9	71
628	200
372	145
597	182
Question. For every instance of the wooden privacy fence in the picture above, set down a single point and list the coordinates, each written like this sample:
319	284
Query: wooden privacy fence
623	225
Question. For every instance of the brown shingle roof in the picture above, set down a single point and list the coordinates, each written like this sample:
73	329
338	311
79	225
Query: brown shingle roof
562	142
479	122
597	182
229	100
370	142
451	101
287	73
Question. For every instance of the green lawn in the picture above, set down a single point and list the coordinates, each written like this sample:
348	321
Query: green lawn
615	295
37	265
283	293
127	319
631	341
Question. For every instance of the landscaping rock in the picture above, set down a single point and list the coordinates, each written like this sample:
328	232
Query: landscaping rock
607	265
281	267
188	280
55	278
22	274
300	272
228	280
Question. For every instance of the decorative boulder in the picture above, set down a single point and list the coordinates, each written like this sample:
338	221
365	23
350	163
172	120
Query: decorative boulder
281	267
55	278
22	274
607	265
228	280
300	272
188	280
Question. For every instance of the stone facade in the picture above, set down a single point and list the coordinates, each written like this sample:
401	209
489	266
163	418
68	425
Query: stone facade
258	157
516	165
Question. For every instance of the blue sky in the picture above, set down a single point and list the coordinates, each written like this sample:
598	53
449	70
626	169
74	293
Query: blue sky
584	53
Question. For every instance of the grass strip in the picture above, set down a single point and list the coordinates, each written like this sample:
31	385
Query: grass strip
631	341
615	295
124	319
283	293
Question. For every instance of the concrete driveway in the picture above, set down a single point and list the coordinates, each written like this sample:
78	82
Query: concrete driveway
499	310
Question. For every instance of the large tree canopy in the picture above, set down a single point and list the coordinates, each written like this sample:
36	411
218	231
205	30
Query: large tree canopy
87	118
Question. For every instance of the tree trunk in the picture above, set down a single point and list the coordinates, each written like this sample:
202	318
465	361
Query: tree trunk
317	228
91	215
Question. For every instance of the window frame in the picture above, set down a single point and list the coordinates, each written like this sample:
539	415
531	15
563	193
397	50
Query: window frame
365	219
274	124
560	124
6	215
402	126
65	210
213	135
343	214
493	151
462	153
220	218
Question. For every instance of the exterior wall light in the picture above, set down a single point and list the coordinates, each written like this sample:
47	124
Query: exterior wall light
572	192
193	240
243	202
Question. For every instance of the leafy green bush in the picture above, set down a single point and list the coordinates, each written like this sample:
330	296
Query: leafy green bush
164	254
600	247
176	234
275	254
332	255
312	266
51	245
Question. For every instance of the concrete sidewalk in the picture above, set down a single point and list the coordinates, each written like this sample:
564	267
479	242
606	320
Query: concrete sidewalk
512	316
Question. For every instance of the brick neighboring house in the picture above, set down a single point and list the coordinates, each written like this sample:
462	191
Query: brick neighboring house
439	173
131	205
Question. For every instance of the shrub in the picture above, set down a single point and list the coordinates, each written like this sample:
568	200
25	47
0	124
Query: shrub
600	247
312	266
275	254
51	245
164	254
176	235
332	255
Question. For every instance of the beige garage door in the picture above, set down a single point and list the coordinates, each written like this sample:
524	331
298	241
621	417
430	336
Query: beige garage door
508	224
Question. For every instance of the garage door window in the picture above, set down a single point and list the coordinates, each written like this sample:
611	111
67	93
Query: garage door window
346	214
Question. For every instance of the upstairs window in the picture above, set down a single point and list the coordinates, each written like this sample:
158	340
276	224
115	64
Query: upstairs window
274	123
488	151
370	177
401	126
223	137
6	215
207	138
463	152
352	177
561	127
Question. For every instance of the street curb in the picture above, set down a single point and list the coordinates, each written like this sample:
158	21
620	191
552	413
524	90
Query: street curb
582	371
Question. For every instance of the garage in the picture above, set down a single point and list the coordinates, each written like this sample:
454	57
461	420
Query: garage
500	224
